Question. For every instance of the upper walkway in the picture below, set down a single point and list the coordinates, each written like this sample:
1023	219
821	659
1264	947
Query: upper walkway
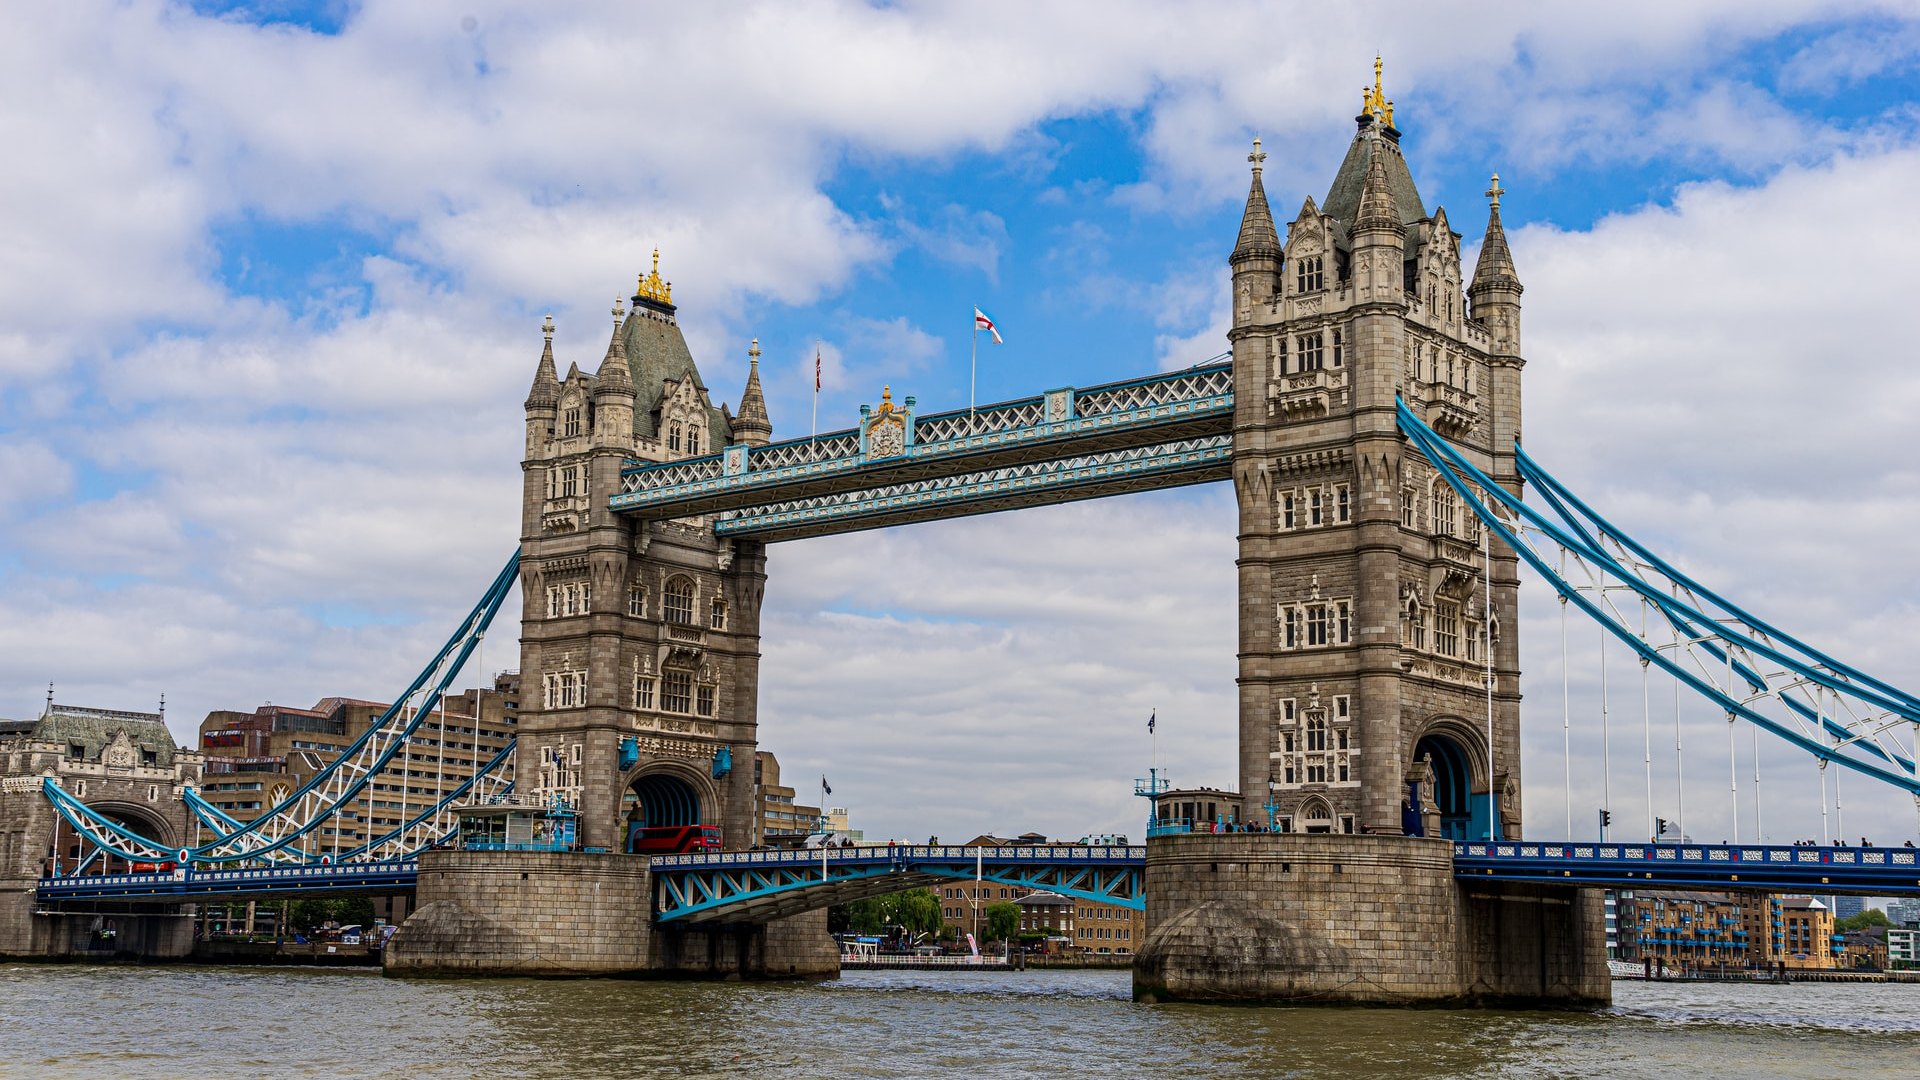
1138	434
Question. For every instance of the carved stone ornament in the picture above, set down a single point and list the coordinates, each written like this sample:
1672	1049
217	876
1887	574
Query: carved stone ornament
1056	407
887	439
120	753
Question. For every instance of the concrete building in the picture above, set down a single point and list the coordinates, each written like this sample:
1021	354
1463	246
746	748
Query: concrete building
255	760
1903	949
1904	913
782	822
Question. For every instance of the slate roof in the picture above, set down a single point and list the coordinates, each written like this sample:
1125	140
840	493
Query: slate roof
95	728
1343	198
656	352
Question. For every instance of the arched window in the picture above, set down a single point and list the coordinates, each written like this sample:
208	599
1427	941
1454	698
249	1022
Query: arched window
1446	519
673	439
1316	731
717	614
678	601
1416	625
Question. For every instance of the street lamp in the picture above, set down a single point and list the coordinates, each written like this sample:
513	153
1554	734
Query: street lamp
1273	807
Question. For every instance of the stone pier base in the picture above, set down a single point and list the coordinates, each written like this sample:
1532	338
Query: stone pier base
1338	919
560	914
27	933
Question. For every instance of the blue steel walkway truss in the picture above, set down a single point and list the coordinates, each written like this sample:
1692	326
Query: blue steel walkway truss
755	886
1142	434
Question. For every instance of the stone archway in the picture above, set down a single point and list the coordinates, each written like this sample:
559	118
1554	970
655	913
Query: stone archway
1314	816
661	797
1453	785
139	819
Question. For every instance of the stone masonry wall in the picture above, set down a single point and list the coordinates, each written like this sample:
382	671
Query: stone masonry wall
1293	917
556	914
1338	919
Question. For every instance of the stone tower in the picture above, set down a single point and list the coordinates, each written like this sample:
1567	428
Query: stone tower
1364	616
639	642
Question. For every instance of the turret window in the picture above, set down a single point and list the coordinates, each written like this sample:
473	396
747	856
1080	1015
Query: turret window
677	693
678	605
570	424
1311	351
1310	273
673	438
637	601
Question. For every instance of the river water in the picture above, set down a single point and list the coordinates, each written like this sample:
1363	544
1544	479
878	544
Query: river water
84	1021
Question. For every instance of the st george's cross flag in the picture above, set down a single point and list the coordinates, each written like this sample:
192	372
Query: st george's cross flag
981	322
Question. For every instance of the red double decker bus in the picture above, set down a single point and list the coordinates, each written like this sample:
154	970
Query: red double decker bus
672	839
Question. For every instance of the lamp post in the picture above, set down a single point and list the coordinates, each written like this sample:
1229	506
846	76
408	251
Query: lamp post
1272	806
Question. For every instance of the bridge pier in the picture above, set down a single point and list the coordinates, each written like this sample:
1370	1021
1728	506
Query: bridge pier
1343	919
567	914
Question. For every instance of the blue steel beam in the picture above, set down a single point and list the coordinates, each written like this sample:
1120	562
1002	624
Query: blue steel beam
1766	868
184	883
1085	476
754	886
1057	424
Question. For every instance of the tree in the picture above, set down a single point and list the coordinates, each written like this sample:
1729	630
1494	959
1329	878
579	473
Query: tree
1003	920
306	916
915	911
918	911
1871	917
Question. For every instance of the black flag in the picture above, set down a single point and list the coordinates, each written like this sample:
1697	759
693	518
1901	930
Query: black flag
825	787
1151	717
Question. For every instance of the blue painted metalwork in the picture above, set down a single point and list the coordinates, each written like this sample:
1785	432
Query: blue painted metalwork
1868	871
981	444
629	752
722	762
186	882
753	886
1509	518
1177	463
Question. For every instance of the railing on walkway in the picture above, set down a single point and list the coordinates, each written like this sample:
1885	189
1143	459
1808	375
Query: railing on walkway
1875	871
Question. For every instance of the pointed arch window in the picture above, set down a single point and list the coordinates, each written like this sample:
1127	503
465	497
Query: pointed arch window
673	438
677	606
1310	273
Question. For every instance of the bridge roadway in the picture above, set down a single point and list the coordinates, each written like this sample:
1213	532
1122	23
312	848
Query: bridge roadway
750	886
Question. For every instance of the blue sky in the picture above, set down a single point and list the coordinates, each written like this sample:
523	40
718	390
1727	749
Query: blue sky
274	275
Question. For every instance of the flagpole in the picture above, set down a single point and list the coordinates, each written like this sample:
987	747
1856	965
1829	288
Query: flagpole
816	393
973	367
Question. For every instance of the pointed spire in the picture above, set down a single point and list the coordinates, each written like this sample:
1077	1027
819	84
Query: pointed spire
751	426
1257	234
546	383
1495	265
1377	210
614	373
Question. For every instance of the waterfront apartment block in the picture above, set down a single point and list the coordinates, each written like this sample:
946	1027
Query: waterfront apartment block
255	760
1706	929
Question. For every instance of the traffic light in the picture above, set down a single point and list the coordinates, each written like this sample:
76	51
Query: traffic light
1660	828
1606	819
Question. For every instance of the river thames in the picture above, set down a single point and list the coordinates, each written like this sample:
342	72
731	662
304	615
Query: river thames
84	1021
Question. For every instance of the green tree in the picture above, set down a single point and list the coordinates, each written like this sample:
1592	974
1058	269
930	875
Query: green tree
306	916
919	912
1003	920
1873	916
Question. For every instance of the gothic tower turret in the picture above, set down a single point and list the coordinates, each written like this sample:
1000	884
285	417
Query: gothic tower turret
1365	629
751	426
639	640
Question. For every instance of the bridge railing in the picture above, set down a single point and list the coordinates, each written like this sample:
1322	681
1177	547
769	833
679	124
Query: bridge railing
1063	414
881	853
1730	854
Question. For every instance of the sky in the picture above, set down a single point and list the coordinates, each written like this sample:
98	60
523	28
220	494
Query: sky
272	276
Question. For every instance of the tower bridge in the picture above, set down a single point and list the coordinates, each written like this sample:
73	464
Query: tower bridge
1369	418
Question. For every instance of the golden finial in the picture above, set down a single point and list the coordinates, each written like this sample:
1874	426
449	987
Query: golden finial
1389	114
1493	193
1258	154
651	287
886	400
1373	100
547	327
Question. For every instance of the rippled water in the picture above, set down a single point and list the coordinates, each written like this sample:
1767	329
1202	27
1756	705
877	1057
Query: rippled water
265	1022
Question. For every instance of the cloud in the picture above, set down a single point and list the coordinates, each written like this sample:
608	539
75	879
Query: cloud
285	495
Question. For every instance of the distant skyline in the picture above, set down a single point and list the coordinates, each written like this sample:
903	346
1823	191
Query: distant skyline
274	275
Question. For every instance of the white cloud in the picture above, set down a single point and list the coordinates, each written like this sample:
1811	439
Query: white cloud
354	452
